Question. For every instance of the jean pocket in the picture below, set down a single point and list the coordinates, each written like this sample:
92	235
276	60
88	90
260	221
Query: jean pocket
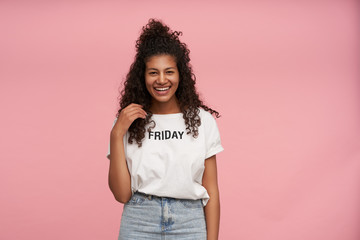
190	203
136	199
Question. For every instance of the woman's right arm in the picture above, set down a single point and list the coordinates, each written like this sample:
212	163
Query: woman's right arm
119	175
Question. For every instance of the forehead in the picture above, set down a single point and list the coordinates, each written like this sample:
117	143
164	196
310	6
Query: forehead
161	60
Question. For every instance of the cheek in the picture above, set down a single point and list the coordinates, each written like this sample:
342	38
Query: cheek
176	81
148	83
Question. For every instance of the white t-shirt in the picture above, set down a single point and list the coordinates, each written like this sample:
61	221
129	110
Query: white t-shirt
170	163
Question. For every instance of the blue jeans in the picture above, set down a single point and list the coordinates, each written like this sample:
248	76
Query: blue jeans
151	217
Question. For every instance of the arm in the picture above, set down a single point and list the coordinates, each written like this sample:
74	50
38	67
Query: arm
119	175
212	208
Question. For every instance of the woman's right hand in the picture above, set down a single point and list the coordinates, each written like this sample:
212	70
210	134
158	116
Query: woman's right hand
126	118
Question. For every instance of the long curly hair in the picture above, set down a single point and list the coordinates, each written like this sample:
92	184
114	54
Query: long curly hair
157	39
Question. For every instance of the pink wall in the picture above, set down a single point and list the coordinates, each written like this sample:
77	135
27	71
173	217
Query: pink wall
283	74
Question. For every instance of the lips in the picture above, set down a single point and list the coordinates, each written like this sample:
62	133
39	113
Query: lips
162	90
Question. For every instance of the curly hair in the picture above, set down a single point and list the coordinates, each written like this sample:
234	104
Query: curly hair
157	39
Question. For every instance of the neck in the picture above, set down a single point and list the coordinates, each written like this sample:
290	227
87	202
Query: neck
165	108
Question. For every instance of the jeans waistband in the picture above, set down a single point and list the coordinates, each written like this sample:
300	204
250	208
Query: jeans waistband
150	196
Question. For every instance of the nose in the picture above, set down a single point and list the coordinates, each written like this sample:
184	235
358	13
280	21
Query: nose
162	79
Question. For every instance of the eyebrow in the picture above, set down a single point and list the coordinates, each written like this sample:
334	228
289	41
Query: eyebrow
157	69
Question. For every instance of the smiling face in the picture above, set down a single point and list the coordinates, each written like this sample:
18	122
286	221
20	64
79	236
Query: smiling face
162	80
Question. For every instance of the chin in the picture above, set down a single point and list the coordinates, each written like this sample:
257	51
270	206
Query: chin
162	99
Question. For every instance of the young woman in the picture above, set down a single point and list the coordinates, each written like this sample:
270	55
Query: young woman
163	145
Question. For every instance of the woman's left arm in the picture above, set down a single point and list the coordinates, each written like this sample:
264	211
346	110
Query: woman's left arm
212	208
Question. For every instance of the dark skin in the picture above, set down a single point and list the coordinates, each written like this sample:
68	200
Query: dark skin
119	175
162	73
212	208
161	78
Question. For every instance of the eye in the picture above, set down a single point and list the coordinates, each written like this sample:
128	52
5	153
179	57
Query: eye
170	72
152	73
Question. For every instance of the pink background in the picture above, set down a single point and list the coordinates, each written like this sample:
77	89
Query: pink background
283	74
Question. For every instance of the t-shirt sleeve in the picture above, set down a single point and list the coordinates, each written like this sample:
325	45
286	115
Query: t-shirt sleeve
108	153
212	136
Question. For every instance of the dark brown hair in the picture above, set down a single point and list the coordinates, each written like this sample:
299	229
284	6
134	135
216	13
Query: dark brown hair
157	39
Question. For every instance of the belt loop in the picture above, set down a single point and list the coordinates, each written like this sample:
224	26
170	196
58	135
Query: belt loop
149	196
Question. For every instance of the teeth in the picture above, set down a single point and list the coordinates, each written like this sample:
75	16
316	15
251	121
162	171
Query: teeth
162	89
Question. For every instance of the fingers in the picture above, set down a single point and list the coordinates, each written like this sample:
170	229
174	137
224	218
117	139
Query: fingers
134	106
136	111
136	115
128	115
133	111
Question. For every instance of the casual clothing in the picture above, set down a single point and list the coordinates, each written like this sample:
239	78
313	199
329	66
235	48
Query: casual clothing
170	162
147	217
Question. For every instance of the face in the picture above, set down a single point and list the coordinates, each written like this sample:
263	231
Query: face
162	79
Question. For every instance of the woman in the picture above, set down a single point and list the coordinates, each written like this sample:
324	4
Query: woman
163	145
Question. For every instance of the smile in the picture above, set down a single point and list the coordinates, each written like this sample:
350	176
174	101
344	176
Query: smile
162	89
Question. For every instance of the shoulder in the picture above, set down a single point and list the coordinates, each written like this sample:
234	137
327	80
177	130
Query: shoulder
114	122
205	115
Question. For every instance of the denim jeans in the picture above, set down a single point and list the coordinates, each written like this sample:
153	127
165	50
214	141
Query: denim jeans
151	217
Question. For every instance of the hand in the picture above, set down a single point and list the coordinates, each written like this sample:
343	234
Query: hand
126	118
